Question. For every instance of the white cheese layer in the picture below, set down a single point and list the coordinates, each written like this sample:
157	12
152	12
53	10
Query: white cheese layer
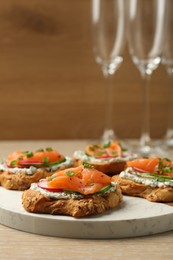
129	174
67	195
32	169
81	155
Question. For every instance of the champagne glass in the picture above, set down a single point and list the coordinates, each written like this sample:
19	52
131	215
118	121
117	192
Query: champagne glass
146	28
167	60
108	24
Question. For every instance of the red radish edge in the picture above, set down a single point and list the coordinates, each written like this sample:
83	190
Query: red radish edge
139	170
25	162
43	185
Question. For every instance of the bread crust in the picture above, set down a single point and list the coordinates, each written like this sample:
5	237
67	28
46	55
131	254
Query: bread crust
109	168
21	181
33	201
157	194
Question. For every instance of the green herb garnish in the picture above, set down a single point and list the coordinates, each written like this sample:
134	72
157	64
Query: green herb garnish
20	157
114	153
104	189
87	165
45	160
106	145
155	176
29	154
72	192
99	154
92	148
13	163
57	162
51	178
49	149
163	166
40	150
70	173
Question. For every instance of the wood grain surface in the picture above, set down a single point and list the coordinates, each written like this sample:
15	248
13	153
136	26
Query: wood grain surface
18	245
50	85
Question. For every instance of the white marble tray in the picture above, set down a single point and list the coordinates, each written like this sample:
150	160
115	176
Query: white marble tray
134	217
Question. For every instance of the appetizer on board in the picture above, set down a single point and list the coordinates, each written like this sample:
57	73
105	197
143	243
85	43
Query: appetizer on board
109	157
150	178
20	169
77	192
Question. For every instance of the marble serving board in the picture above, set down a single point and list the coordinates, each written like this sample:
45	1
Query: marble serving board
134	217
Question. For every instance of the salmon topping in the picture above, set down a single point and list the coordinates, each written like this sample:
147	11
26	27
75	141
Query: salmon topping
111	149
85	180
40	158
156	165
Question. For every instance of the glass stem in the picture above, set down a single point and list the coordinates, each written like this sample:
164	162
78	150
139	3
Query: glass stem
108	129
108	102
169	133
145	135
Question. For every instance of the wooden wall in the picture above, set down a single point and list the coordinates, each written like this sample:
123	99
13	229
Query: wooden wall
50	85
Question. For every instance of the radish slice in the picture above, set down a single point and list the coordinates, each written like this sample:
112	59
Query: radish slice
29	163
43	185
139	170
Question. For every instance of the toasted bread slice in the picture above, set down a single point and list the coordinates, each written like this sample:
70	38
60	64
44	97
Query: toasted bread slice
107	167
21	181
35	202
109	158
154	194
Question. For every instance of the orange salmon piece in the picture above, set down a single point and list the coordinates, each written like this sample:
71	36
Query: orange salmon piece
67	183
80	179
113	149
49	156
93	175
92	188
14	156
52	156
76	170
146	164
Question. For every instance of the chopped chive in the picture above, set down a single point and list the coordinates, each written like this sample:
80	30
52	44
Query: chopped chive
87	165
20	157
167	159
99	154
45	160
70	173
49	149
50	178
13	163
29	154
40	150
114	153
162	167
104	189
106	145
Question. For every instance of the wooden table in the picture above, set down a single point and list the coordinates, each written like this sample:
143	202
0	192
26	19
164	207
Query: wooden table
16	244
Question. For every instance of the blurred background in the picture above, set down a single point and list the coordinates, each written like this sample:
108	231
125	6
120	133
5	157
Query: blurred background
50	84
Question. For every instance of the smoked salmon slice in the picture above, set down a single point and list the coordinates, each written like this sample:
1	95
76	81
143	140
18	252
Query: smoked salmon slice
111	149
41	157
155	165
82	179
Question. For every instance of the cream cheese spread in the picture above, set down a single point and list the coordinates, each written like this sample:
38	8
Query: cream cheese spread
67	195
129	174
81	155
